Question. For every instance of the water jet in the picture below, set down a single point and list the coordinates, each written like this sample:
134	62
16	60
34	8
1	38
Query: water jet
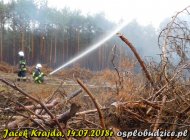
91	48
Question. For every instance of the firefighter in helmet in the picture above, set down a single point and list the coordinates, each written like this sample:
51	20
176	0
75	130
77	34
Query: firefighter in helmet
22	67
38	76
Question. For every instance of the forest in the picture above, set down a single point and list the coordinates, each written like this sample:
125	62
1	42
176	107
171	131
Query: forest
53	37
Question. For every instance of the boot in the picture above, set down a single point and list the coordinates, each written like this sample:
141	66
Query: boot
18	79
24	79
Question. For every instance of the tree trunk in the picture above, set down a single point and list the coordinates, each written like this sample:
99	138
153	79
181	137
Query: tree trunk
55	51
63	50
44	49
1	43
51	48
141	62
67	48
14	47
29	48
41	48
100	58
32	46
22	40
78	41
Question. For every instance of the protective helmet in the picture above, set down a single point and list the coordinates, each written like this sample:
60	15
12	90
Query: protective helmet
21	53
38	66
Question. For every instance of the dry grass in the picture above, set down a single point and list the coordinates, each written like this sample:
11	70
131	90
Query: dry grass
130	112
6	68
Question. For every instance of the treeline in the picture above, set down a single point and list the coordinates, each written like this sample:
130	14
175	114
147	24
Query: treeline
53	37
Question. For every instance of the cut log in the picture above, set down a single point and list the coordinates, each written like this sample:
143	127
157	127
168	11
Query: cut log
49	106
63	118
74	94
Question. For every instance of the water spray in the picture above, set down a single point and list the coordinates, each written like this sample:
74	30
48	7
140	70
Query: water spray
93	47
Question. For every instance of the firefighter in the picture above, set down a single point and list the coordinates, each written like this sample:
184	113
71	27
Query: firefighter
22	67
38	76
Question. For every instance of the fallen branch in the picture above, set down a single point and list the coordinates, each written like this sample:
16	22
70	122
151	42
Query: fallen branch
15	123
90	111
63	118
29	110
49	106
37	101
130	45
137	116
159	114
155	106
74	94
77	114
166	85
89	122
102	123
185	111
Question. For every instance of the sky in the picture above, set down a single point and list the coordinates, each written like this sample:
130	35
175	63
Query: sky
144	11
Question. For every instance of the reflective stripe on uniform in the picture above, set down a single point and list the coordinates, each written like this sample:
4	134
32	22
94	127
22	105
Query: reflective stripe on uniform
22	63
23	66
42	74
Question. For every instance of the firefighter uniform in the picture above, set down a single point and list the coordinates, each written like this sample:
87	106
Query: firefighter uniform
38	76
22	67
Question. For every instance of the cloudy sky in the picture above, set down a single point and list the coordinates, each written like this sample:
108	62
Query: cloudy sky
145	11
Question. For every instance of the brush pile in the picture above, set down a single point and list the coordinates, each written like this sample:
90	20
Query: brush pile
157	98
